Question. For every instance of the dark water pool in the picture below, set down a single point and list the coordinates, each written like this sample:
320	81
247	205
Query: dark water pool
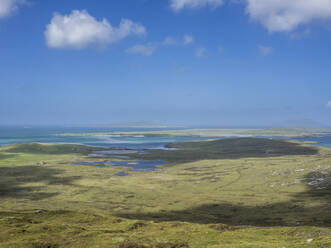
115	153
322	140
97	164
134	165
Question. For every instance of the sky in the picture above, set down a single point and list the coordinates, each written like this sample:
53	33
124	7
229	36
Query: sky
187	62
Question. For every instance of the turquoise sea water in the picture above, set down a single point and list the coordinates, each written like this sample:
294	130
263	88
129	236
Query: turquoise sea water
323	140
11	135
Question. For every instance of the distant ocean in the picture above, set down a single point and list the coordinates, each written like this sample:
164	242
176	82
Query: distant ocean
323	140
11	135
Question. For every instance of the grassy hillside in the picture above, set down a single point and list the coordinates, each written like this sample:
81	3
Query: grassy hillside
51	149
230	193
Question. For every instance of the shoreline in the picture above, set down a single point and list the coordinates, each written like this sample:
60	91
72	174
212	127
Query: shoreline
214	133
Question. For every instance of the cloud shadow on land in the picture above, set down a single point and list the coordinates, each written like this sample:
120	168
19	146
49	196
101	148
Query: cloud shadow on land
51	149
290	213
6	156
230	149
13	180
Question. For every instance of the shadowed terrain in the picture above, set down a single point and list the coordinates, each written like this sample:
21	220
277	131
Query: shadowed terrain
14	180
60	149
230	149
6	156
290	213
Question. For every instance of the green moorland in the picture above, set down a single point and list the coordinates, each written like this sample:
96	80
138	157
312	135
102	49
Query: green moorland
247	192
280	132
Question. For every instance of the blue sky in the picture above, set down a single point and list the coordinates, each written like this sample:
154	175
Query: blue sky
192	62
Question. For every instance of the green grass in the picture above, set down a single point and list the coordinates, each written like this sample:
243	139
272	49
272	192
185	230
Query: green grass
232	193
59	149
72	229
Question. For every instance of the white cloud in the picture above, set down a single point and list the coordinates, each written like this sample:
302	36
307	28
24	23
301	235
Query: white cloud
265	50
274	15
79	30
185	40
169	41
300	34
7	7
328	105
220	50
178	5
201	52
148	50
188	39
145	50
183	69
287	15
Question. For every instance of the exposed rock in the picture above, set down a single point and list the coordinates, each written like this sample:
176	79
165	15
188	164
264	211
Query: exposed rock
40	211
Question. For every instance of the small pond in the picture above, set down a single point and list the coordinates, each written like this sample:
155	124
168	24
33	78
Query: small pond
134	165
115	153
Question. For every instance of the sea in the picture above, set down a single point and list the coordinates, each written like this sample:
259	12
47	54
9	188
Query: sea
12	135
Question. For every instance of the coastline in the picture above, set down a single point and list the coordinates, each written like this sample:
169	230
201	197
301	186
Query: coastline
275	132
